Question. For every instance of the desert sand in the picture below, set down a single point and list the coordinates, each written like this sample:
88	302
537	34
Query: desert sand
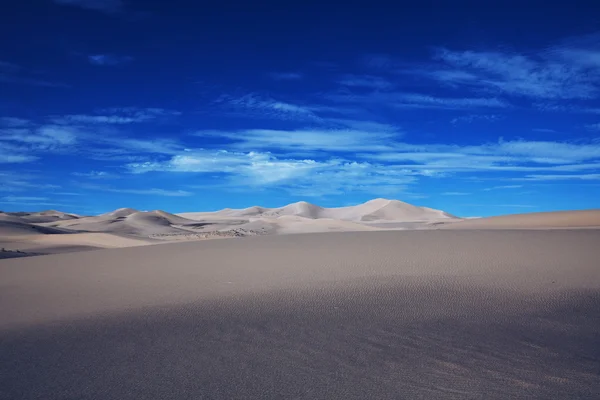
541	220
50	232
39	233
420	314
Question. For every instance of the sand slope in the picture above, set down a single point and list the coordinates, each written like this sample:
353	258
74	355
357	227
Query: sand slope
13	226
542	220
128	221
361	315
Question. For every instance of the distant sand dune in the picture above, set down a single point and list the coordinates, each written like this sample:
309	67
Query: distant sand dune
301	217
542	220
9	227
378	209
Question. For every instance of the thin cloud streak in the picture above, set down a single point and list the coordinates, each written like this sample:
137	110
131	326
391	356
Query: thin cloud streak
106	6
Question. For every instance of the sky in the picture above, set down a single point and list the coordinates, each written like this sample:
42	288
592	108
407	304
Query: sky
477	108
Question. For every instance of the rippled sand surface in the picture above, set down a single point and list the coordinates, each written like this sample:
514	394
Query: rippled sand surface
362	315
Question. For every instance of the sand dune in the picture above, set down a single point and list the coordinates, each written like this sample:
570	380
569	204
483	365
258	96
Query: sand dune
542	220
44	216
300	217
128	221
381	315
11	226
44	244
374	210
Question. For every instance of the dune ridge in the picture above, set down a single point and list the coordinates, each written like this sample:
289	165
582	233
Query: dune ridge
151	227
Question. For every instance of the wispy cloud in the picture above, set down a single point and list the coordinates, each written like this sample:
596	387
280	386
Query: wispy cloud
116	116
16	199
11	122
340	139
46	137
519	155
561	72
503	187
468	119
365	81
286	76
145	192
92	174
594	127
110	60
106	6
19	182
416	100
10	154
502	205
257	106
565	177
92	136
306	176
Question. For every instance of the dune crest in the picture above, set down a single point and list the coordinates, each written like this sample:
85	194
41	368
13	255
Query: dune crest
136	227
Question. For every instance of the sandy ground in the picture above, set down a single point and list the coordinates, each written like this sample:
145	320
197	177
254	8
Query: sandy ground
42	244
50	232
458	314
542	220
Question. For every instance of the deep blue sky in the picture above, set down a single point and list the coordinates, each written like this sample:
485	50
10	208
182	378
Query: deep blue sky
478	108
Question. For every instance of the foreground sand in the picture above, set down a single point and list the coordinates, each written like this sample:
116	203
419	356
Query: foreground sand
362	315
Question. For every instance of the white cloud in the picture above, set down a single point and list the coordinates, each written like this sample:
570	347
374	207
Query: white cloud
256	106
116	116
425	101
501	156
558	73
341	140
417	100
92	174
154	192
503	187
306	176
47	137
149	192
565	177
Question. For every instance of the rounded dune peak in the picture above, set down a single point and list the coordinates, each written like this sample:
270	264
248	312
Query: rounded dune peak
300	209
379	200
253	211
120	212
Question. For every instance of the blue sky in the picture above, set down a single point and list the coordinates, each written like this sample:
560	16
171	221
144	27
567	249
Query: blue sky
477	108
